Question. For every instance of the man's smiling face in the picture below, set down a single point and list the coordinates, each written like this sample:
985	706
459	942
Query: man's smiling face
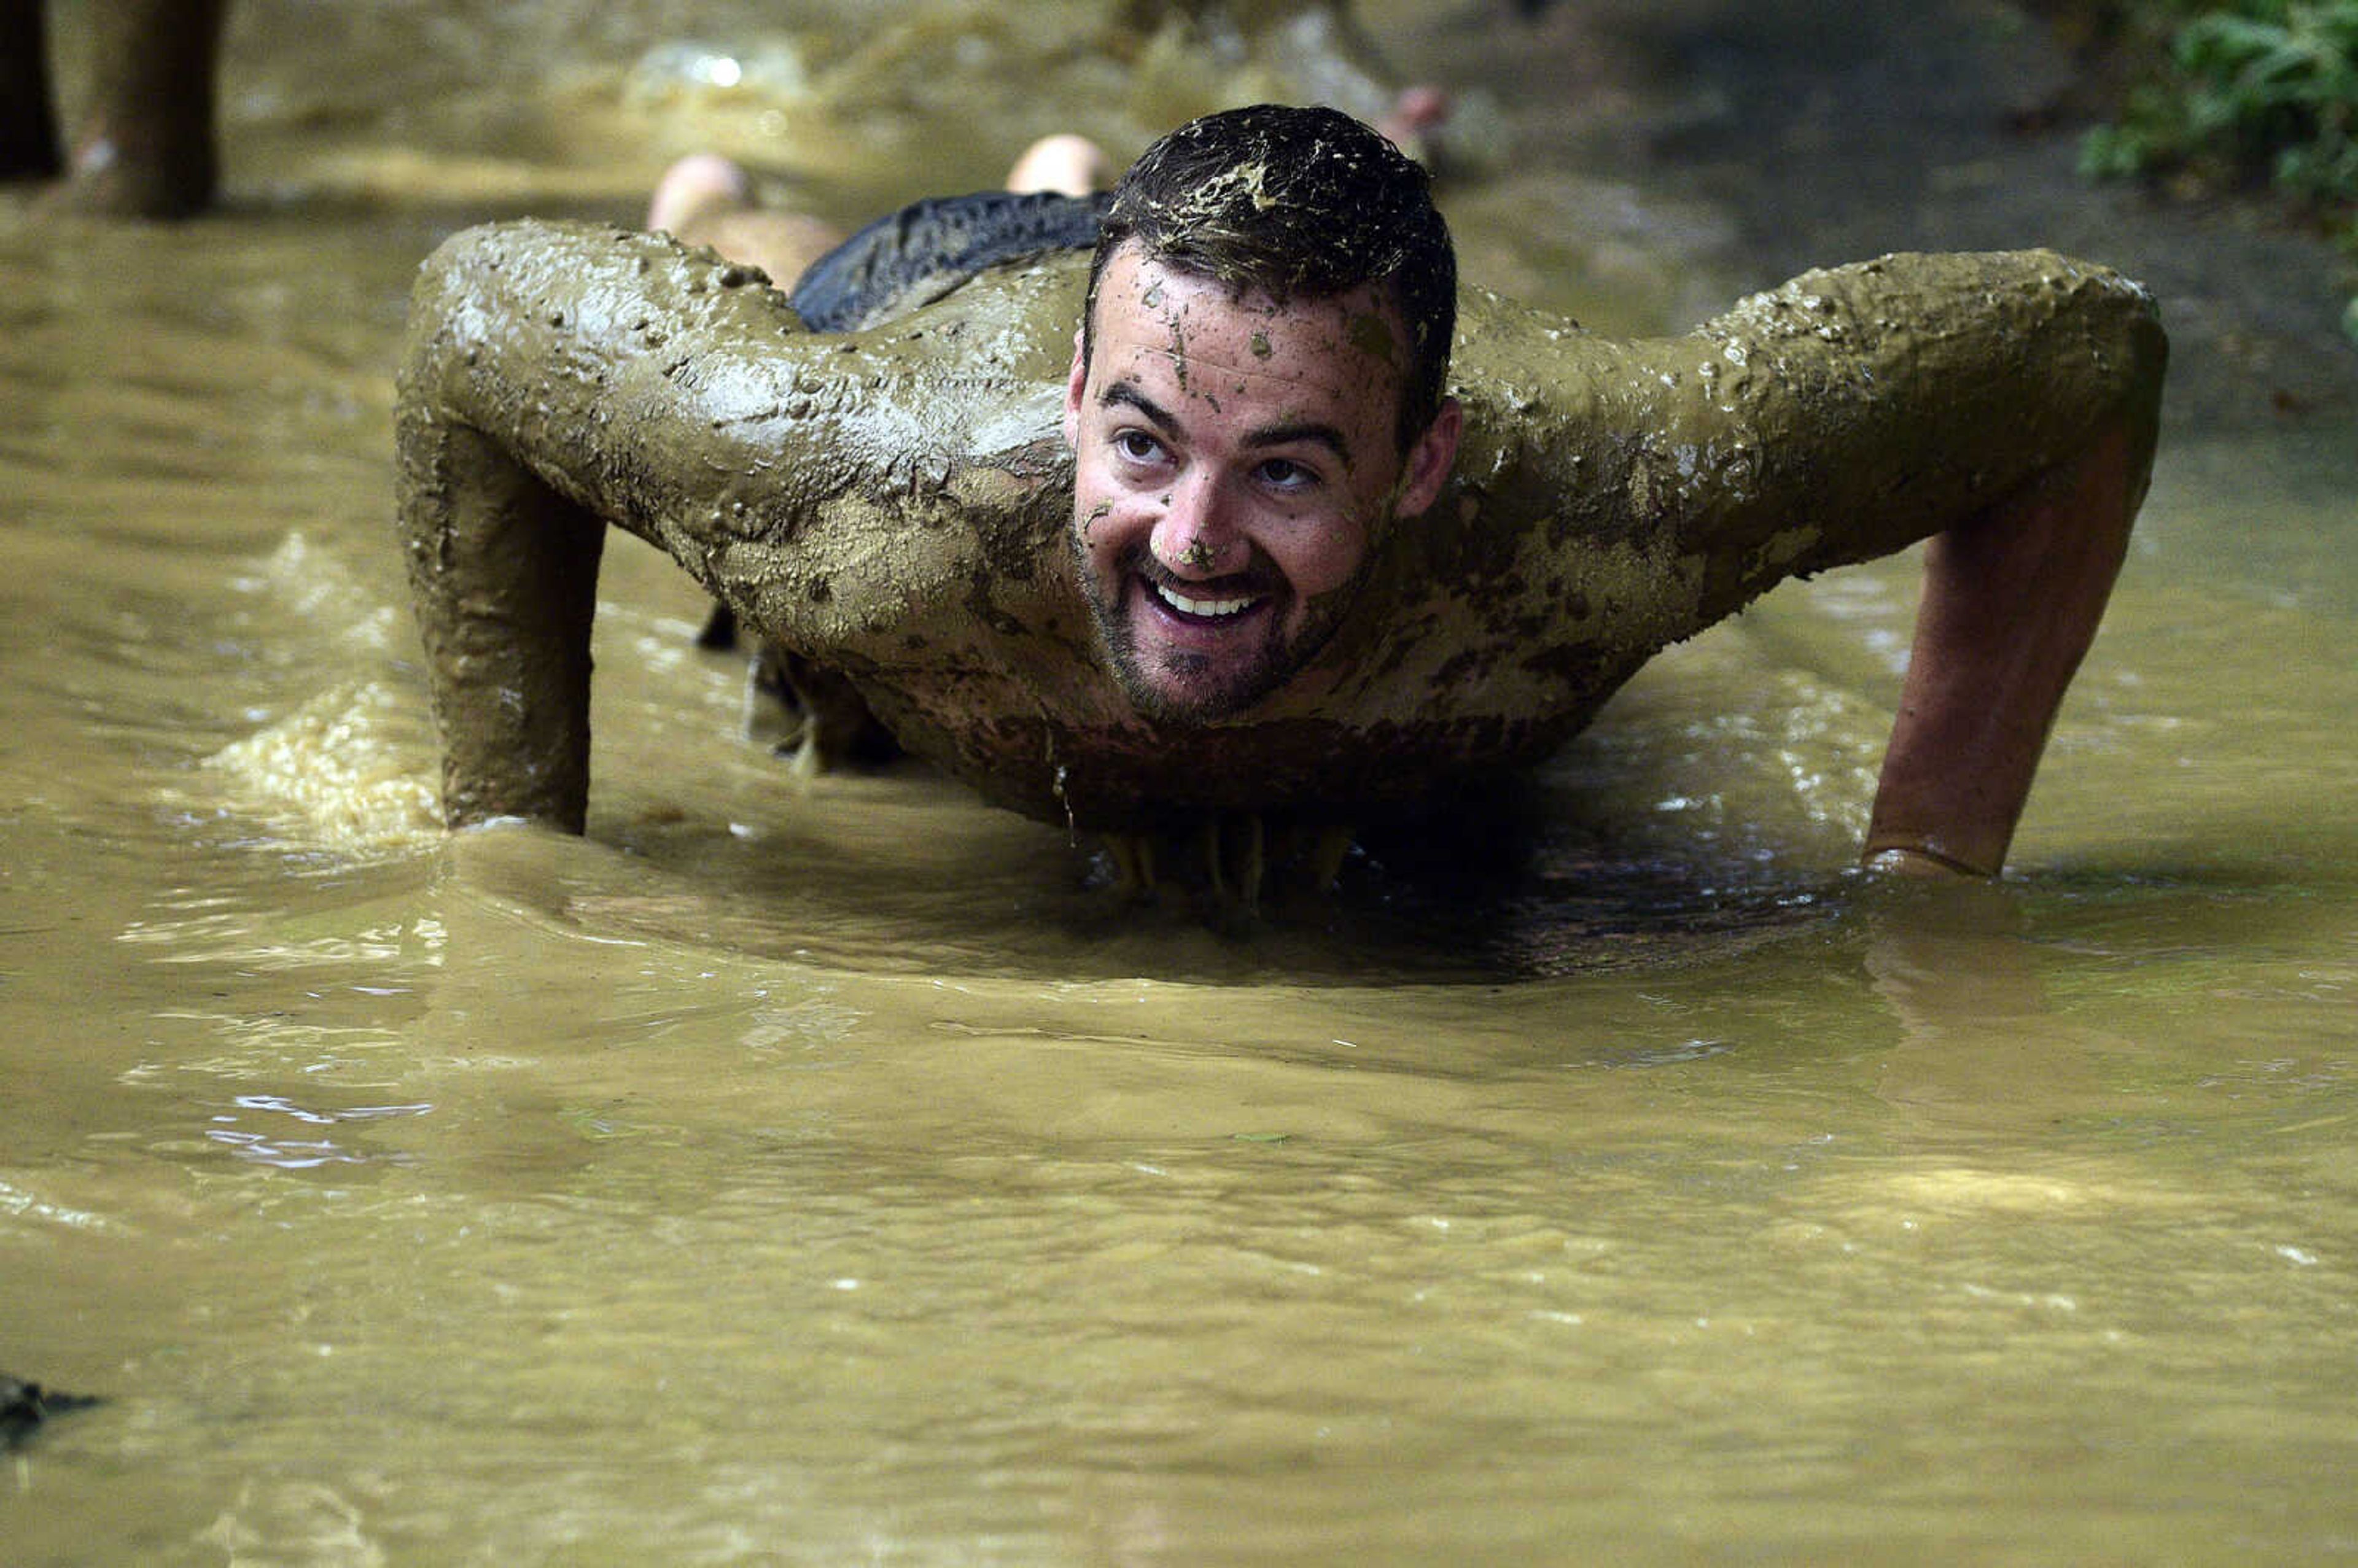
1234	457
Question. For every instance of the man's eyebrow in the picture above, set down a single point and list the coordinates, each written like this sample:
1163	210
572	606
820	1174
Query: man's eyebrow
1317	432
1125	393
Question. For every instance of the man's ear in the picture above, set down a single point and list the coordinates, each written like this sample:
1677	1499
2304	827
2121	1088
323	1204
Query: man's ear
1429	459
1076	382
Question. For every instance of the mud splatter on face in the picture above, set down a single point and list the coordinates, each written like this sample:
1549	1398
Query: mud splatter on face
1373	335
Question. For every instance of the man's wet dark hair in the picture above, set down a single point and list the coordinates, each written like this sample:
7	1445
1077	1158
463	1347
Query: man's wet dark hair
1296	204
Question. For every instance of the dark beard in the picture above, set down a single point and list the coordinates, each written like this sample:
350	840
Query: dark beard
1274	663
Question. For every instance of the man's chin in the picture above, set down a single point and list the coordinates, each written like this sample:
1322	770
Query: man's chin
1182	689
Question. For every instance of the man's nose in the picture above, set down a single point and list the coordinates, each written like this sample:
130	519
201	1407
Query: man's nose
1197	536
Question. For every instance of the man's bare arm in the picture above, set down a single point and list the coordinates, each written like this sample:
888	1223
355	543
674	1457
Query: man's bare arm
2011	602
2004	407
561	378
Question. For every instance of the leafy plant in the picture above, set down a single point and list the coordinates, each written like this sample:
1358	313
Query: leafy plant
2248	90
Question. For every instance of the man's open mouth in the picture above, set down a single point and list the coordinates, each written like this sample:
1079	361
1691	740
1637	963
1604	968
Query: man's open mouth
1205	605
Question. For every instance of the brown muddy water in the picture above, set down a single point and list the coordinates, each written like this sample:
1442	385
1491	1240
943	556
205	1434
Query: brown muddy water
837	1174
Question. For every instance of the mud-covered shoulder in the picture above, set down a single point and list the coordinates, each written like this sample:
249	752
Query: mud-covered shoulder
830	487
1885	401
1613	496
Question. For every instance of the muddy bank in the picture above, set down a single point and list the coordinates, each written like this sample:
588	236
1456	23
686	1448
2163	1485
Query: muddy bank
1823	132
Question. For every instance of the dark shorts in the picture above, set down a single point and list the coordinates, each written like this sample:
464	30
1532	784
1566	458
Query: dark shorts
928	248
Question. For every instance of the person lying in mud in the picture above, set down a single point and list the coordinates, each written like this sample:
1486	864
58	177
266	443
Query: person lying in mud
1208	524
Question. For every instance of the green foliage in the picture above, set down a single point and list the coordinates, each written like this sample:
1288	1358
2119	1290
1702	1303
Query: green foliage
2246	90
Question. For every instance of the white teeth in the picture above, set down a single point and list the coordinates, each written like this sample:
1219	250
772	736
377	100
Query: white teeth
1211	607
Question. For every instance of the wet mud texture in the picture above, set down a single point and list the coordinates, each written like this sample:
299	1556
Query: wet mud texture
895	504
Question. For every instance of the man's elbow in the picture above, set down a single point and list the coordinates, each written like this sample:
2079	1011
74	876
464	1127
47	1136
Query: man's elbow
2129	352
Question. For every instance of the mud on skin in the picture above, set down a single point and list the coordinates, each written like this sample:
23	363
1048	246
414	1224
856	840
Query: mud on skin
895	505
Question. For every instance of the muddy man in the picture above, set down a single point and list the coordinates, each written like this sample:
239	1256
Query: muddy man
1251	544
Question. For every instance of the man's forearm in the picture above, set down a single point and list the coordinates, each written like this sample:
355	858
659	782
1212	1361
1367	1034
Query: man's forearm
2012	600
503	580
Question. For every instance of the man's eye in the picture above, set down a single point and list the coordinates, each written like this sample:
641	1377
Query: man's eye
1284	473
1136	446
